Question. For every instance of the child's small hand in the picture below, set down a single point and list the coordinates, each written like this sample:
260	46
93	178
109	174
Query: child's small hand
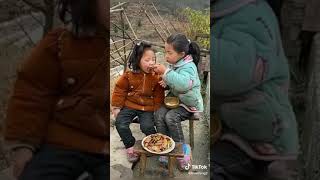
159	68
19	159
163	84
115	112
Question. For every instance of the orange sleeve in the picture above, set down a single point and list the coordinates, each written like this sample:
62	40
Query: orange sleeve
158	96
34	94
120	91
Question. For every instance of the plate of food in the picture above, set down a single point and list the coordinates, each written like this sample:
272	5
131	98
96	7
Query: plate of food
158	143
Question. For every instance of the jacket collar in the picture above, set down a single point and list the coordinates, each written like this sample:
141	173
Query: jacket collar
187	59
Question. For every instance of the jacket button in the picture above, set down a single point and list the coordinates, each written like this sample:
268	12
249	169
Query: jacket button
60	102
71	81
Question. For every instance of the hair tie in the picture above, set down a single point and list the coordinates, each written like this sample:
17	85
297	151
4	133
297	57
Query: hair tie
139	43
189	41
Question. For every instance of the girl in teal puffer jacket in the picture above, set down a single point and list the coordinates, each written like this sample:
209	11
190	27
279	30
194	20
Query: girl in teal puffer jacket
251	80
183	81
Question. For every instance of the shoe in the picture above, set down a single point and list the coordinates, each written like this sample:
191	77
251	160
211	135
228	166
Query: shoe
184	164
131	155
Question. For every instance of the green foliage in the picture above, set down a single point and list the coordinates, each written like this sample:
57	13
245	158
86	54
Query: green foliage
199	24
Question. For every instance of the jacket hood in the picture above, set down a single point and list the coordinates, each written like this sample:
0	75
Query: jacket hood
225	7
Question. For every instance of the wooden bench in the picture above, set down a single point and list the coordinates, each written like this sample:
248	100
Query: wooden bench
194	117
176	152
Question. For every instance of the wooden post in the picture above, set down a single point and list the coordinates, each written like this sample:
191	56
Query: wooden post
191	133
143	163
171	163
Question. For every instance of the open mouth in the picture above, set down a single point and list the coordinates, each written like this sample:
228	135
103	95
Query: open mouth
151	68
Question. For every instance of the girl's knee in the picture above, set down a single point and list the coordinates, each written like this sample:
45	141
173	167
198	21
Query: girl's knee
121	125
160	114
171	117
147	129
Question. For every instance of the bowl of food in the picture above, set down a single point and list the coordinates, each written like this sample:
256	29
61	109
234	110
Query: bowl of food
171	102
158	143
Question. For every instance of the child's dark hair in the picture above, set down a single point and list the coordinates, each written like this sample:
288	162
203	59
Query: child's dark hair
82	14
181	43
137	53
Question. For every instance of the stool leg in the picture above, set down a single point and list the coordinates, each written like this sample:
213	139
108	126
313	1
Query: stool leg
191	133
143	162
171	162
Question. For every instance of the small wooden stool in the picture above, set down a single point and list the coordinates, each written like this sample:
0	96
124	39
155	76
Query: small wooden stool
176	152
191	128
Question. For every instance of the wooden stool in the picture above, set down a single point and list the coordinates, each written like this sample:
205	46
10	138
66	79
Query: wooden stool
176	152
191	129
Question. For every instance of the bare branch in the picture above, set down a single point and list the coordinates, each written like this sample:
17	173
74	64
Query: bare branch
17	20
26	33
35	6
36	19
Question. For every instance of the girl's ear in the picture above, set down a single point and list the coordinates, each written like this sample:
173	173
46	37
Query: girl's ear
183	54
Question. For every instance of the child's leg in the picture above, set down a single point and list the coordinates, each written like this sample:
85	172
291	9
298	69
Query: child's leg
122	123
147	122
52	163
159	120
173	120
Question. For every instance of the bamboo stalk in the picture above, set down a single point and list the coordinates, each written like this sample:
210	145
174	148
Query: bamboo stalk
121	48
116	6
122	30
117	41
164	24
134	34
116	10
157	23
116	50
155	28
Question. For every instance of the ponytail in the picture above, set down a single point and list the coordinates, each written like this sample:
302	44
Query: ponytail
194	51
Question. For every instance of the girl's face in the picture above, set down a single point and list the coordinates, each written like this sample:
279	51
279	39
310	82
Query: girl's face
147	61
172	56
102	11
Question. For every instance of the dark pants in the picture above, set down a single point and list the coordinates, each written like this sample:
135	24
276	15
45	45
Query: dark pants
228	162
168	122
124	119
53	163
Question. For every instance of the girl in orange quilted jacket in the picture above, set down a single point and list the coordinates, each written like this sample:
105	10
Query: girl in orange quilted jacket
137	94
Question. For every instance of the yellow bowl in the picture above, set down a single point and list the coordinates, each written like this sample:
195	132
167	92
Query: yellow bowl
171	102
